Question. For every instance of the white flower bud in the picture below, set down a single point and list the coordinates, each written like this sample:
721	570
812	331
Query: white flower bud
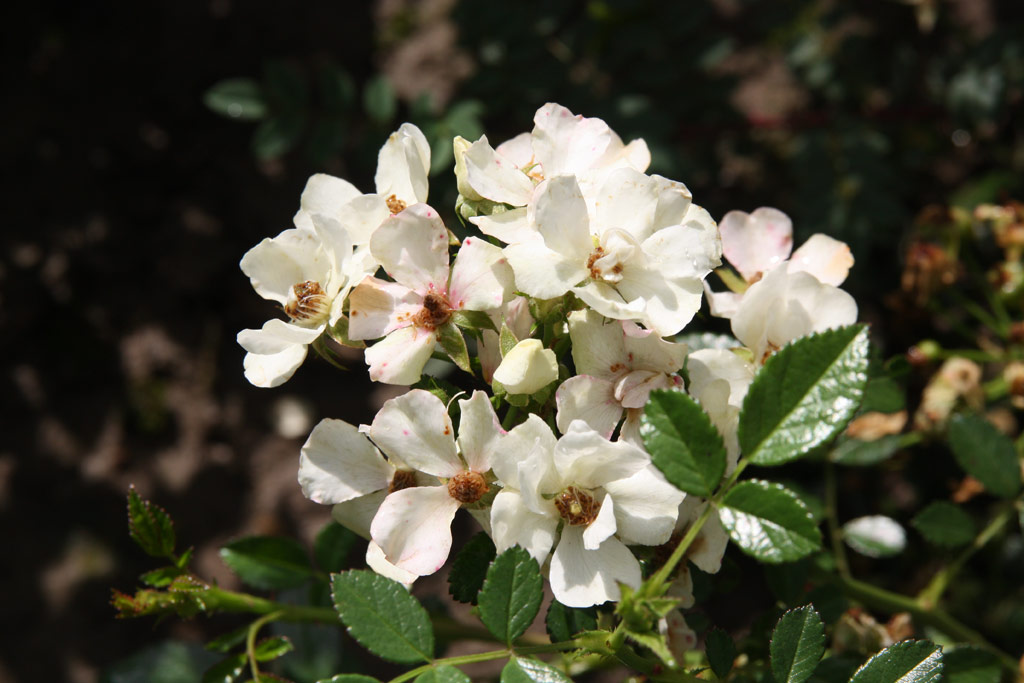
527	367
461	145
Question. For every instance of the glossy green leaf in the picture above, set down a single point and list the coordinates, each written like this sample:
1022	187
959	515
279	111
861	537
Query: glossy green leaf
804	395
511	595
944	524
911	661
382	616
986	454
272	648
857	453
267	562
565	622
237	98
454	344
965	664
227	670
332	547
379	100
443	674
884	395
150	526
768	522
835	669
521	670
506	339
721	652
349	678
228	641
875	536
683	442
798	642
469	568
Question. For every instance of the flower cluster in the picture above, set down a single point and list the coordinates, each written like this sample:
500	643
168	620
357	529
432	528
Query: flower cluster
579	271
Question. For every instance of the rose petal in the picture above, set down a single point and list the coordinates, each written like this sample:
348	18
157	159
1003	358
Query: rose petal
414	528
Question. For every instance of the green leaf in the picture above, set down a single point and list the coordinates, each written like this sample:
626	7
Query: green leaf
469	568
911	661
798	642
945	524
379	100
966	664
857	453
565	622
267	562
511	595
443	674
337	89
158	578
168	662
272	648
454	344
229	641
520	670
339	333
332	547
721	652
473	320
986	454
277	136
875	536
656	643
227	670
804	395
349	678
883	395
237	98
506	340
382	616
683	443
768	522
150	526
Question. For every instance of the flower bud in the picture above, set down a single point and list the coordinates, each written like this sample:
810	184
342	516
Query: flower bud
527	367
461	145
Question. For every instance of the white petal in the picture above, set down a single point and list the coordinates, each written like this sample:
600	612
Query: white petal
510	227
337	245
327	195
590	399
275	351
646	350
414	528
518	150
541	272
527	367
376	561
581	577
413	248
610	301
602	527
512	523
722	304
681	638
824	257
403	164
691	249
415	427
399	357
669	303
560	214
633	389
363	215
495	177
708	365
755	243
567	144
358	513
275	265
479	431
378	307
674	201
598	347
531	438
709	548
337	463
646	507
627	200
585	458
481	278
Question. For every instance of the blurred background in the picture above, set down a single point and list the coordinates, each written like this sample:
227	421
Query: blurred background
148	145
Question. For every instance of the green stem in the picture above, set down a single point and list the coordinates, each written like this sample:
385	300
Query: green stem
230	601
662	575
510	417
322	350
835	532
250	641
485	657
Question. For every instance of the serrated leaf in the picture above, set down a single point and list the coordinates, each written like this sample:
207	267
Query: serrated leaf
150	526
798	642
683	442
986	454
469	568
912	661
804	395
228	641
769	522
443	674
227	670
379	100
857	453
272	648
721	652
332	547
875	536
382	616
473	320
521	670
565	622
883	395
967	664
237	98
511	595
656	643
267	562
454	344
944	524
158	578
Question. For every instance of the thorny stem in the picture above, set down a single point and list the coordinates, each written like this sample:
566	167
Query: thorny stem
250	641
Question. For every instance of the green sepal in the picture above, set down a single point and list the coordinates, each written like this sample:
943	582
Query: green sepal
454	344
158	578
506	340
339	333
473	320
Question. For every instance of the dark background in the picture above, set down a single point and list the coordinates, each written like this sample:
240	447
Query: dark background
129	203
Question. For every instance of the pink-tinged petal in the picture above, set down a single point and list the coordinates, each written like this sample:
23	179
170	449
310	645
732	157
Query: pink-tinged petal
337	463
357	514
513	523
496	177
627	200
756	242
481	278
378	307
646	350
414	528
511	227
327	195
598	348
413	248
602	527
518	150
376	561
560	214
415	427
629	432
275	265
581	577
681	587
633	389
646	507
585	458
541	272
567	144
399	357
403	164
681	638
479	431
825	258
275	351
589	399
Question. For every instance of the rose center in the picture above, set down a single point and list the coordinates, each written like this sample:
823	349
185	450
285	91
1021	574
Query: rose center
311	303
395	205
435	312
577	507
467	487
